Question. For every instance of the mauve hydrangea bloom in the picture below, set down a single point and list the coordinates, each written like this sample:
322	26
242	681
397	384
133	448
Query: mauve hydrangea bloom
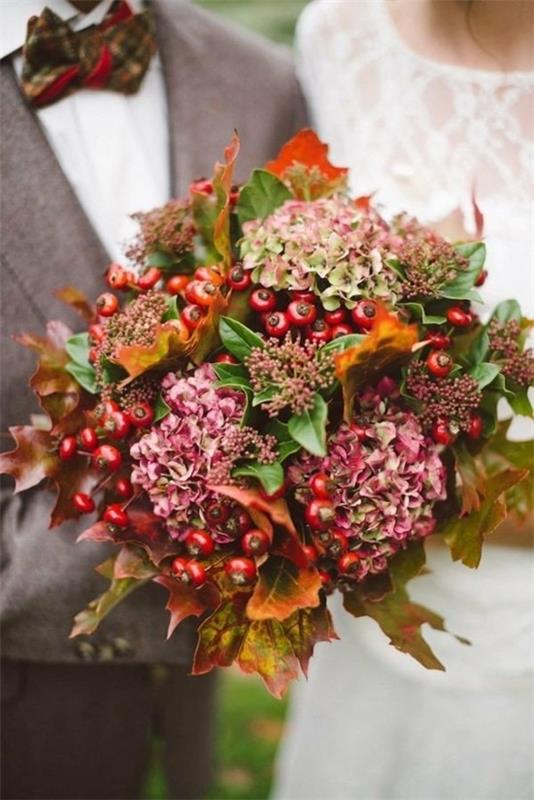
326	245
175	459
384	487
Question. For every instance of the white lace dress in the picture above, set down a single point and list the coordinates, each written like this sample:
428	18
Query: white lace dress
371	724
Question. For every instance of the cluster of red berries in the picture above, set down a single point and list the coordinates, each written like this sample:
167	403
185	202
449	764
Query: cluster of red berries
93	442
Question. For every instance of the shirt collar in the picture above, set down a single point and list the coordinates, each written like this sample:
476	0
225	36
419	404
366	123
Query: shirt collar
16	13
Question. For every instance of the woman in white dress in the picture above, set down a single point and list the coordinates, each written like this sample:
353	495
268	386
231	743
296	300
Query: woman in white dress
425	100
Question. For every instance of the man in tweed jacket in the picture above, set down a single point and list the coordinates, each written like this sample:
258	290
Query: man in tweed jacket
77	715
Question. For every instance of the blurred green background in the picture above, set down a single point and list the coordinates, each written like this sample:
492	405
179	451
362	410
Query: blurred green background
250	721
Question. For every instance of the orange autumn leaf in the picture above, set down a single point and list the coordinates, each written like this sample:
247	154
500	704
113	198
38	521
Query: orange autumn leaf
171	341
186	601
222	185
282	589
388	345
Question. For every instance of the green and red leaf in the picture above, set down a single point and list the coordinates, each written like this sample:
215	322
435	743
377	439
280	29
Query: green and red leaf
145	529
77	300
171	343
282	589
305	628
32	460
222	185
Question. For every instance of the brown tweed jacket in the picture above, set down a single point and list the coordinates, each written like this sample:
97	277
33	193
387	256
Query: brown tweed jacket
217	79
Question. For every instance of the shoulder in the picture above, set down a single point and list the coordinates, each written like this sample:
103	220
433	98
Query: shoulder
323	21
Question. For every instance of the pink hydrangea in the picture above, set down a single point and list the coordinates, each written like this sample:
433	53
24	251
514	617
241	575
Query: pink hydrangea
385	485
326	245
175	459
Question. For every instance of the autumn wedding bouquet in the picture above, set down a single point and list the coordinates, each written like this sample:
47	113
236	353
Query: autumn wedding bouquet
281	395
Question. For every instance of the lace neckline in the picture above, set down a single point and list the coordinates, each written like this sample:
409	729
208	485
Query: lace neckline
477	74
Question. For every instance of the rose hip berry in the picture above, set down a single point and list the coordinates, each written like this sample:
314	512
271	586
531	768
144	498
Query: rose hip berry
481	279
177	284
319	331
341	330
338	544
441	433
116	276
217	513
107	457
68	447
301	314
439	363
107	304
141	415
192	316
320	485
311	553
196	574
349	562
149	279
241	571
117	425
239	279
88	439
200	293
255	542
364	314
262	300
199	543
83	503
319	513
96	333
458	317
115	515
476	426
124	488
336	317
225	358
439	341
304	297
277	324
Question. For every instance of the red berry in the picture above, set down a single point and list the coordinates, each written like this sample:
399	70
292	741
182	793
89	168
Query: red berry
107	304
349	562
304	297
338	544
326	578
319	332
458	317
335	317
262	300
196	573
83	503
241	571
93	355
239	279
178	568
209	274
141	415
244	522
319	513
116	276
106	408
124	488
115	515
177	283
200	293
481	279
225	358
441	433
68	447
439	341
341	330
311	552
107	457
149	279
199	543
301	314
96	333
476	426
192	316
88	438
364	314
117	425
439	363
217	513
276	324
255	542
320	485
275	495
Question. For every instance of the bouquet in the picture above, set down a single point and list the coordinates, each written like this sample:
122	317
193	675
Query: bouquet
280	395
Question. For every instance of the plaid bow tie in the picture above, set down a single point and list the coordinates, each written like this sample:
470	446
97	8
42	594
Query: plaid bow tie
113	55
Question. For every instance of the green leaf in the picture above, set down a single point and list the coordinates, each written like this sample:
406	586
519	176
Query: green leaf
507	310
172	309
520	401
112	373
461	288
265	395
85	375
161	409
271	476
286	444
479	348
418	311
232	375
258	198
78	347
237	338
161	260
309	429
343	343
484	373
88	620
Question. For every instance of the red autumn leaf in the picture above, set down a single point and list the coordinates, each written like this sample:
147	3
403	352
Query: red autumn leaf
186	601
77	300
70	477
282	588
32	460
171	342
221	635
145	530
222	185
303	164
363	203
387	346
305	628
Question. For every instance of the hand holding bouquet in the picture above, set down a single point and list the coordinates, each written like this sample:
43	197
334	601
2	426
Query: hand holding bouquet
281	395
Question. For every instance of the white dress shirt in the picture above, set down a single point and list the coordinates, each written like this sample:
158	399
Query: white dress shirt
113	148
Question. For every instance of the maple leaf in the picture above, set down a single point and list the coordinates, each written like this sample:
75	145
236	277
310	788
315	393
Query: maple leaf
59	394
387	346
69	478
145	529
305	628
499	453
465	536
472	479
222	185
282	588
171	342
76	300
303	164
132	562
88	620
186	601
32	460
